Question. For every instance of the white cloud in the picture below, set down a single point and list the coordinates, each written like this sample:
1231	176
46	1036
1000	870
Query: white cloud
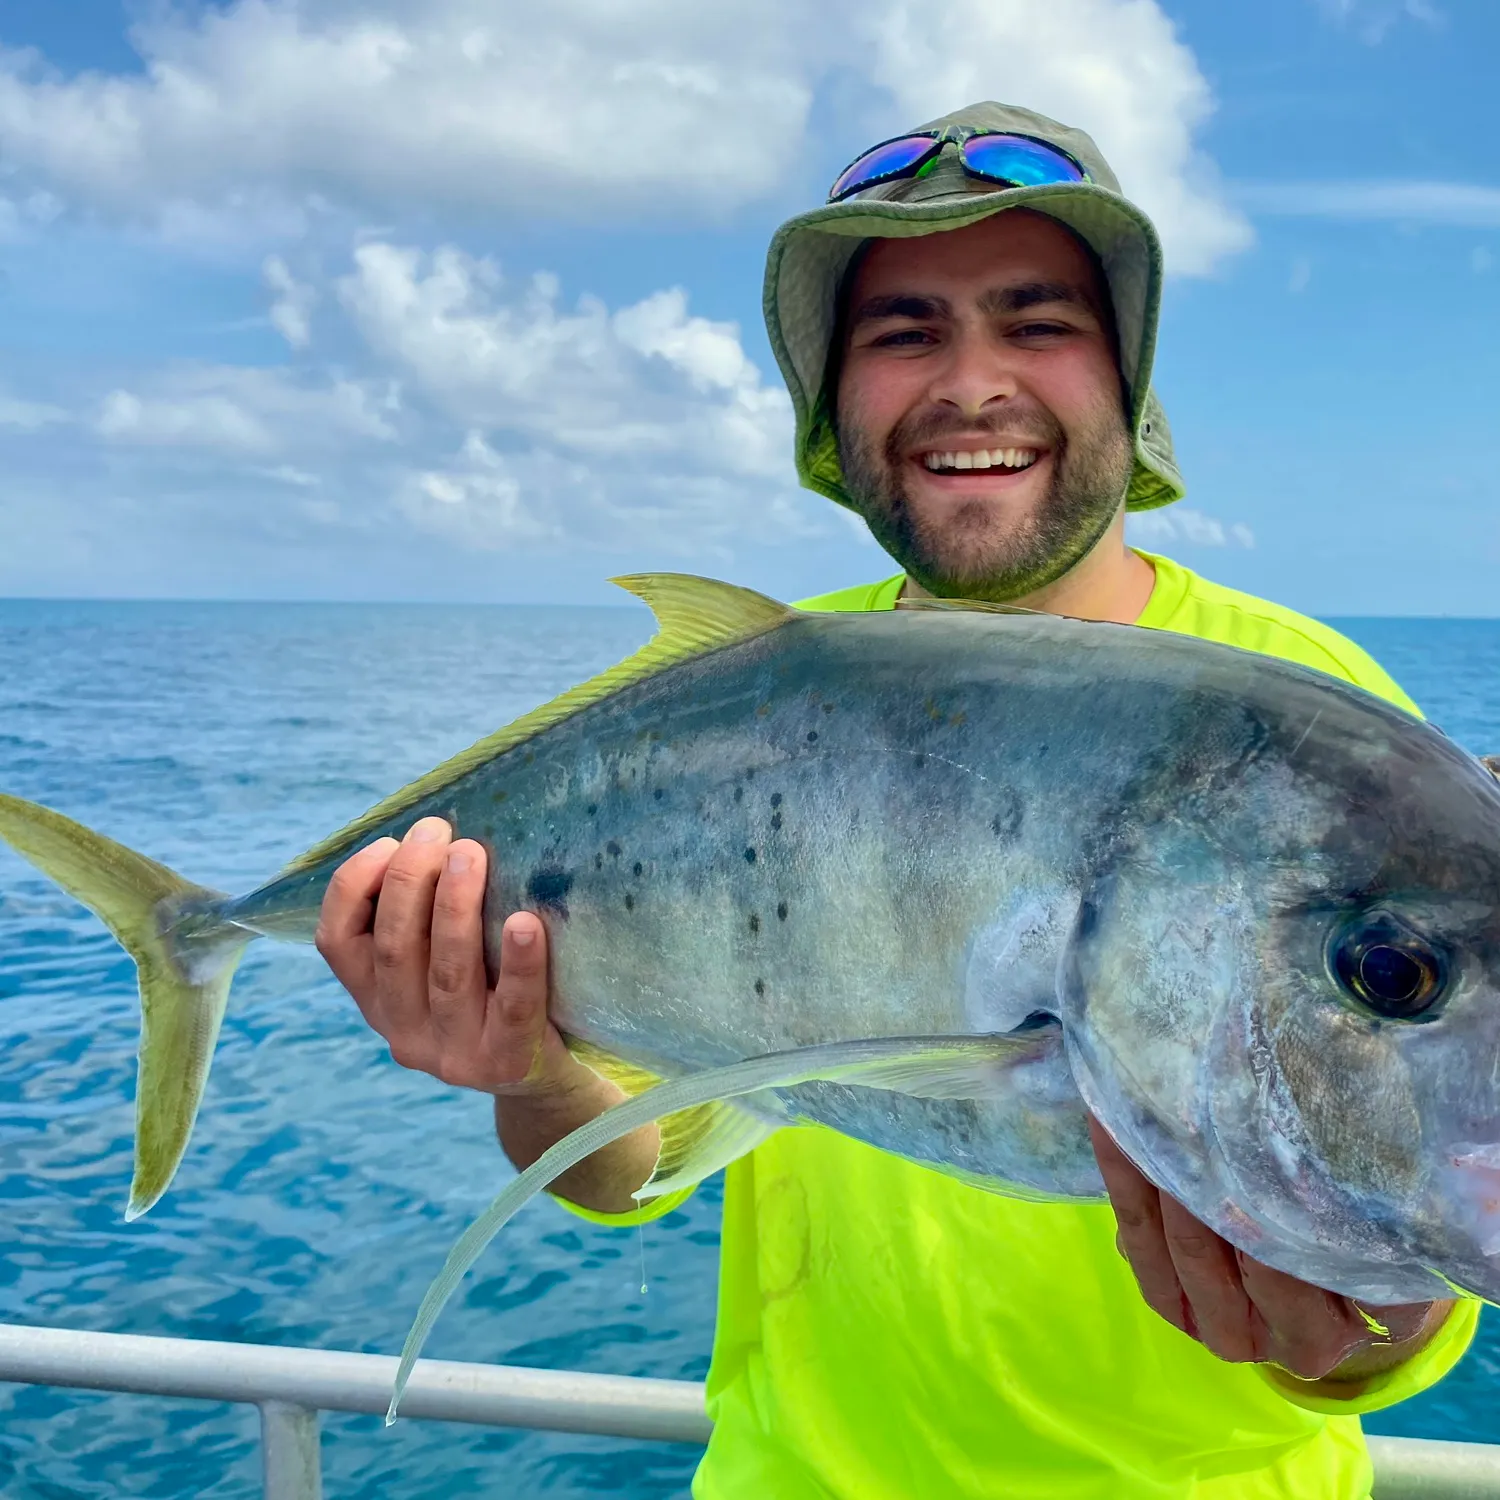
209	421
29	416
1372	20
1405	202
1180	523
483	412
476	500
446	103
645	423
271	112
254	412
291	309
1115	67
647	386
288	474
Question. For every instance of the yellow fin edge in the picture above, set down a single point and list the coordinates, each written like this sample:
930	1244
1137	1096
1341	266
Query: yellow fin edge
695	616
679	1132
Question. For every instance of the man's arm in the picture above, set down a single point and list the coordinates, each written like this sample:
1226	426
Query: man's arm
1246	1312
414	963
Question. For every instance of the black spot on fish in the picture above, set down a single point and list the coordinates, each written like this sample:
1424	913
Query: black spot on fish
775	820
750	856
548	889
739	794
629	902
760	986
1006	823
781	911
812	737
919	761
612	849
593	808
658	794
637	868
828	708
754	922
598	861
775	799
1088	918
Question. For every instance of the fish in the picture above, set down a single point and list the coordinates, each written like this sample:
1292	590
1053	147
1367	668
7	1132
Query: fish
951	879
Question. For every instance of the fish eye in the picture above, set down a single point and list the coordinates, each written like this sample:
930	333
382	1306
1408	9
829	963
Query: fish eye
1387	968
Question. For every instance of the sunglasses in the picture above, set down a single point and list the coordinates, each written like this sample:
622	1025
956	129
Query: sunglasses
990	155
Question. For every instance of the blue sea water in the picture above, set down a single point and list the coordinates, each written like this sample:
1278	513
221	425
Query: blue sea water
324	1184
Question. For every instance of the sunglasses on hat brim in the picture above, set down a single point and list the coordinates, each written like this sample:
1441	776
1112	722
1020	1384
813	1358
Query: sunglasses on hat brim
991	155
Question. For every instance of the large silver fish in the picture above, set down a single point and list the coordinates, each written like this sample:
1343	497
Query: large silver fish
946	879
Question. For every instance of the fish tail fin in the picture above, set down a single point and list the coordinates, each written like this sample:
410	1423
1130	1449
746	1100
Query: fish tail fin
185	954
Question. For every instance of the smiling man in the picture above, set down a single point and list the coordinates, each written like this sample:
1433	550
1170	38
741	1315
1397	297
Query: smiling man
966	329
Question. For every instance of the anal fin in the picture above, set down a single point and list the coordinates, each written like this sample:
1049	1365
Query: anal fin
719	1134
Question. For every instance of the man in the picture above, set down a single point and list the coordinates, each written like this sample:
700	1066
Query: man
970	364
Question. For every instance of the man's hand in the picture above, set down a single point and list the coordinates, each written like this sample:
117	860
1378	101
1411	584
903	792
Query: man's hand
1244	1311
414	963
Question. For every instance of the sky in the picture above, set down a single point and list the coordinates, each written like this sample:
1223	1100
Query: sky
459	300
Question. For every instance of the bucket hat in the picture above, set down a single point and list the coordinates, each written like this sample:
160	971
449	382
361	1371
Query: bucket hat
810	253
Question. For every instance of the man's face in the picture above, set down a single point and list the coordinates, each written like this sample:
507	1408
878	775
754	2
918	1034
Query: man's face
980	412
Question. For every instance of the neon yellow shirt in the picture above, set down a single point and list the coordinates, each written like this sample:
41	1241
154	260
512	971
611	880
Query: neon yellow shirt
885	1333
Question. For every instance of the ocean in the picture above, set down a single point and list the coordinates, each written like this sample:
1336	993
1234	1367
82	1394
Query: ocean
324	1184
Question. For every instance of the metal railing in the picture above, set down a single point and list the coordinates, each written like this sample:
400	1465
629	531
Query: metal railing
292	1385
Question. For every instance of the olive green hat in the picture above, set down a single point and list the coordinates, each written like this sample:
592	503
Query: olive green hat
810	253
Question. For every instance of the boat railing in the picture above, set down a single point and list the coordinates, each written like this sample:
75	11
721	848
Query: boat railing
291	1386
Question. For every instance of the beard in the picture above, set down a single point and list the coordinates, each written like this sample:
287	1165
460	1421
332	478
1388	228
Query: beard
981	549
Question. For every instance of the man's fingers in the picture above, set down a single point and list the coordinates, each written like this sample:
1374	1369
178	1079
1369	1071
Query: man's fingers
403	924
455	968
517	1033
1142	1240
343	935
1208	1269
1309	1331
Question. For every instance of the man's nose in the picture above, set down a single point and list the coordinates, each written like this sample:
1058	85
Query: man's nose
975	374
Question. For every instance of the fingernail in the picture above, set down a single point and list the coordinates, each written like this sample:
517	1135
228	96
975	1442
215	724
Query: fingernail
426	831
459	862
523	937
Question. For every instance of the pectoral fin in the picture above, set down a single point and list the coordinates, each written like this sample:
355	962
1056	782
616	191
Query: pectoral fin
929	1067
696	1142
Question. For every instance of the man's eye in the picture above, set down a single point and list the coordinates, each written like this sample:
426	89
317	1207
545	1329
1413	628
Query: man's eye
903	338
1040	330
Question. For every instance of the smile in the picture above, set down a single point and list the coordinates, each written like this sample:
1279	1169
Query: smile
1009	460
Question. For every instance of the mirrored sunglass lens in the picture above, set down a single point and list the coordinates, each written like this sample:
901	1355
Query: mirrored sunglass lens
1012	158
883	162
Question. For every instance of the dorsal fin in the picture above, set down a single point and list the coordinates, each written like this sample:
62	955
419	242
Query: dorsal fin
976	606
694	617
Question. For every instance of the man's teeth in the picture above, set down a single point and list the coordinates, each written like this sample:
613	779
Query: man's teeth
984	458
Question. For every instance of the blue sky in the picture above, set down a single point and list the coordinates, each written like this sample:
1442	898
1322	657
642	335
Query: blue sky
460	299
